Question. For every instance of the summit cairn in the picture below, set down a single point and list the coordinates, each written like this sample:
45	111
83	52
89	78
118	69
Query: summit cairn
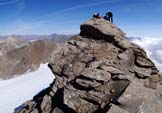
99	71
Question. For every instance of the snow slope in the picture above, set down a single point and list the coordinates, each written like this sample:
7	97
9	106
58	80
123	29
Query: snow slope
16	91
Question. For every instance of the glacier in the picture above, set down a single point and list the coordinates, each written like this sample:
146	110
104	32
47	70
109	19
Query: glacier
16	91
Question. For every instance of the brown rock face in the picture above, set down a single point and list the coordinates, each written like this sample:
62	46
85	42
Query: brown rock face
100	29
99	71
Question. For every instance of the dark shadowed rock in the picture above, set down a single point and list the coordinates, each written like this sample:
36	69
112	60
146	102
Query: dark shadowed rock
99	71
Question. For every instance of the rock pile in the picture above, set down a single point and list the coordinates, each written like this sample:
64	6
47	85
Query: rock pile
100	71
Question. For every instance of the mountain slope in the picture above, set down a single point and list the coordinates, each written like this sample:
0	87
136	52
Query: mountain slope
26	58
10	44
100	71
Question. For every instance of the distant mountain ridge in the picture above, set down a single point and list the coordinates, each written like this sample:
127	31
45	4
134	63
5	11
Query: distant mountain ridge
18	56
11	43
55	37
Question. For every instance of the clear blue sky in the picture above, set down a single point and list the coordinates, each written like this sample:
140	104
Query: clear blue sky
138	18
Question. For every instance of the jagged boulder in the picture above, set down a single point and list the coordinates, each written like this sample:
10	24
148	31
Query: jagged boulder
99	29
99	71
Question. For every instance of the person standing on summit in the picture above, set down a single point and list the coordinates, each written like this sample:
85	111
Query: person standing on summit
109	17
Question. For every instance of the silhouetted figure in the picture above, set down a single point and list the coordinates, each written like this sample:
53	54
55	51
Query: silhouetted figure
109	17
97	15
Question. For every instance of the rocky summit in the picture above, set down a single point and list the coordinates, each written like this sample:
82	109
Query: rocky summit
99	71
